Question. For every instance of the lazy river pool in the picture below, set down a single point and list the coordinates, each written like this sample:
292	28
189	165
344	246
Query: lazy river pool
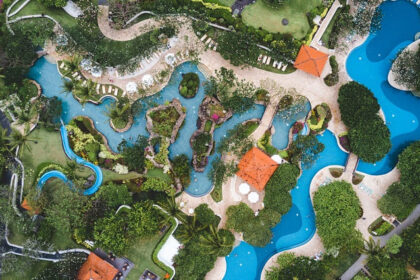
368	64
47	75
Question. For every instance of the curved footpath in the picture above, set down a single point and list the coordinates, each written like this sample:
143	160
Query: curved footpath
71	155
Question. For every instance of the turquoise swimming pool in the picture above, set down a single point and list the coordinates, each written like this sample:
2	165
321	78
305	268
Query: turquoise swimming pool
46	74
368	64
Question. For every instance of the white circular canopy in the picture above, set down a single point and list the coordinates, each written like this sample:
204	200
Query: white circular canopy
191	211
170	58
131	87
147	80
244	188
277	159
253	197
96	71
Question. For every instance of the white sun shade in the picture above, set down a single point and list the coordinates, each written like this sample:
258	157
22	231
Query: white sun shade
131	87
253	197
244	188
147	80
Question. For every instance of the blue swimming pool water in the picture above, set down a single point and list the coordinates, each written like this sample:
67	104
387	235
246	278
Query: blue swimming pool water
52	174
46	74
370	63
295	228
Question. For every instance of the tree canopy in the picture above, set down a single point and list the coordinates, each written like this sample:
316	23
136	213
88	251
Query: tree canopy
368	134
337	208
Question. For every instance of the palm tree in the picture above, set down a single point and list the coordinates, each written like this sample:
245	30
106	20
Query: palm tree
68	86
84	92
73	64
119	111
217	242
17	139
4	139
172	208
372	248
189	229
25	116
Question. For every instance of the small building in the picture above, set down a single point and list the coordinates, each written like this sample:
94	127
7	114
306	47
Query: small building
100	265
97	268
256	168
311	60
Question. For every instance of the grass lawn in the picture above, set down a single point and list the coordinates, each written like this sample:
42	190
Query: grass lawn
141	255
47	149
50	149
326	36
34	8
269	18
228	3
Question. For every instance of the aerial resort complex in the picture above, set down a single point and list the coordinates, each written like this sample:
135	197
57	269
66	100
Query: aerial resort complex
209	139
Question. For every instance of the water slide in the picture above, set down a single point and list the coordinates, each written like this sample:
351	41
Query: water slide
71	155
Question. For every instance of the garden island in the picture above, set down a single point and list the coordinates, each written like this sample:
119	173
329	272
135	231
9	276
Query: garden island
209	139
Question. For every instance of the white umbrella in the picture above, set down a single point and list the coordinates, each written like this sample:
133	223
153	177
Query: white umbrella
147	80
170	58
131	87
190	211
277	159
96	71
244	188
253	197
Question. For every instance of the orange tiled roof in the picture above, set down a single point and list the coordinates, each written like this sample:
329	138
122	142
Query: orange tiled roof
256	168
311	60
96	268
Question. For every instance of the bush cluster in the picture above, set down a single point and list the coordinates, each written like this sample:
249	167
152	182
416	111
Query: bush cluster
189	85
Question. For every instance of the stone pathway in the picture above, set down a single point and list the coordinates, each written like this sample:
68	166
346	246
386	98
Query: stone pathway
125	34
325	22
358	265
267	118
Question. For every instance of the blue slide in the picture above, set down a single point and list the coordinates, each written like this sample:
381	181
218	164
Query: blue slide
71	155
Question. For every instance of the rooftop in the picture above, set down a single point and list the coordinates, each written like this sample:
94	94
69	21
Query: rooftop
256	168
311	60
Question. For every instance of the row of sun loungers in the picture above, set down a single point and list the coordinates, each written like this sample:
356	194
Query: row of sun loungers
209	42
276	64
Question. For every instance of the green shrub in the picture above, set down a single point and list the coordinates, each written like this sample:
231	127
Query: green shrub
189	85
336	172
332	78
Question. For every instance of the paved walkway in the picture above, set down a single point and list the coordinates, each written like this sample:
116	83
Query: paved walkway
357	266
125	34
325	22
267	118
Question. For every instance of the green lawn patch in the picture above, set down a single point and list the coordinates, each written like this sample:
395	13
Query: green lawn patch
270	19
326	36
337	266
227	3
379	227
141	255
30	270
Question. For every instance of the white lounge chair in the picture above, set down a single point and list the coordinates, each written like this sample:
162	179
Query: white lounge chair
124	94
275	63
279	65
260	57
74	74
203	38
98	86
268	60
208	41
215	47
103	89
116	91
109	89
284	67
62	65
84	83
264	59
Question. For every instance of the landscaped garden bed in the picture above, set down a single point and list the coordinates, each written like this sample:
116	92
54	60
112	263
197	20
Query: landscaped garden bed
357	178
319	118
336	172
166	120
379	227
189	85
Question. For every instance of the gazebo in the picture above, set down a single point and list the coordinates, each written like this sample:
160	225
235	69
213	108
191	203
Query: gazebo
96	268
311	60
256	168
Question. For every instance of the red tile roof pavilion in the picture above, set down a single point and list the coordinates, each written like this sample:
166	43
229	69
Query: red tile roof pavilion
96	268
256	168
311	60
